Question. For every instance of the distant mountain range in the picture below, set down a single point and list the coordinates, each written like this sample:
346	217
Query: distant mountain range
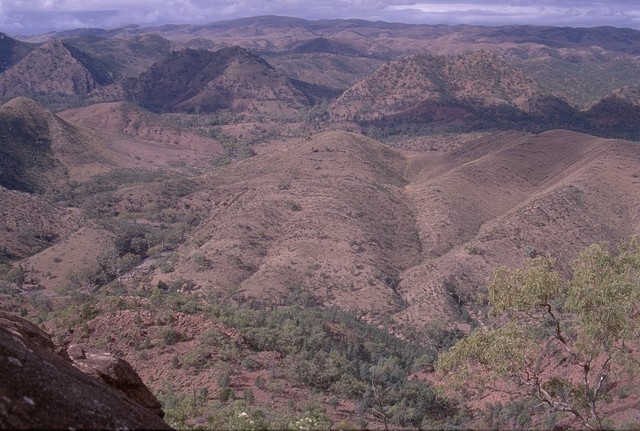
375	74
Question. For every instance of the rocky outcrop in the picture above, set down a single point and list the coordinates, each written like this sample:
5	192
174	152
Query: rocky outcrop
40	389
115	372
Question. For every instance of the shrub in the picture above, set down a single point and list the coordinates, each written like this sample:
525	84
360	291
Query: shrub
200	262
293	205
260	382
225	395
15	275
224	380
197	359
170	336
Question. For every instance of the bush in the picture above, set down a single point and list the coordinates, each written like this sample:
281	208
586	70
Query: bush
224	380
197	359
175	362
200	262
225	395
15	275
260	382
213	337
170	336
239	417
248	396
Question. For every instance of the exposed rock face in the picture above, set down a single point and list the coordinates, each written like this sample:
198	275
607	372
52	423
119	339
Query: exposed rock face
115	372
39	389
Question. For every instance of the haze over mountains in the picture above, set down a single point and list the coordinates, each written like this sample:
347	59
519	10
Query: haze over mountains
381	169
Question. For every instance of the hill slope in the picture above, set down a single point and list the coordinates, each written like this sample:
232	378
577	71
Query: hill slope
28	162
617	113
31	223
344	221
504	199
307	219
168	142
39	150
55	72
203	81
43	152
124	57
480	79
12	51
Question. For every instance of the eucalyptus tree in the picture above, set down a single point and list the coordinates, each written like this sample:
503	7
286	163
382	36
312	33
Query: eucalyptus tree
563	340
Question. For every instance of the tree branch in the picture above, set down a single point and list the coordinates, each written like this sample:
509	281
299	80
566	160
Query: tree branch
546	397
558	333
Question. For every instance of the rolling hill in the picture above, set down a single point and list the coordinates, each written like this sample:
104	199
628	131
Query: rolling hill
351	222
476	80
405	240
124	120
72	72
306	218
582	82
47	153
402	235
472	78
124	57
33	146
31	223
617	113
203	81
392	40
57	73
503	199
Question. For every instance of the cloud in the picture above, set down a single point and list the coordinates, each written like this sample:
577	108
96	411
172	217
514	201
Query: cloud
33	16
526	12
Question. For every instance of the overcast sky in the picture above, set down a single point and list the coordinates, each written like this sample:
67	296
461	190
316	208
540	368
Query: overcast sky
39	16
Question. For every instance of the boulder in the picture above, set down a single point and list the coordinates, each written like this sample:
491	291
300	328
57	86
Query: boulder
40	389
115	372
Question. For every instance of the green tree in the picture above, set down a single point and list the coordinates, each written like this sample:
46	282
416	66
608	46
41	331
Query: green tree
563	341
16	275
170	336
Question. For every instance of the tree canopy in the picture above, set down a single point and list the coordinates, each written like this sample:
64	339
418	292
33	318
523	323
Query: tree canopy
563	340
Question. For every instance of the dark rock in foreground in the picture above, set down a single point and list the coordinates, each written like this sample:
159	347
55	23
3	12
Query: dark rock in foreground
39	389
115	372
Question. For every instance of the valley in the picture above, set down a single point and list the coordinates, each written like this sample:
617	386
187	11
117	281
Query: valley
280	222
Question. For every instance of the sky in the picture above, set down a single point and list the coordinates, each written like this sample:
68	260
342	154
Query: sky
29	17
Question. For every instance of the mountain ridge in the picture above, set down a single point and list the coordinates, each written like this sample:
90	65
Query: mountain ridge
208	81
249	32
